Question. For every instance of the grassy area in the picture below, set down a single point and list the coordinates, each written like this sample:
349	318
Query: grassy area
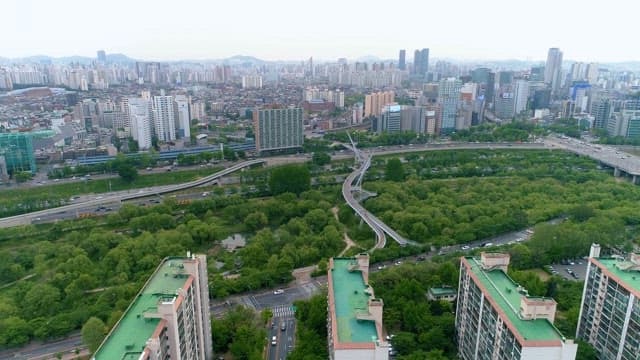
28	199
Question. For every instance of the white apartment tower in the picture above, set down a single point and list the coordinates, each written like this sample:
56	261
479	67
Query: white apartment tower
140	121
164	118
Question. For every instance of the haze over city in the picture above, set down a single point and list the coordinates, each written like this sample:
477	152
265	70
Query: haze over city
290	30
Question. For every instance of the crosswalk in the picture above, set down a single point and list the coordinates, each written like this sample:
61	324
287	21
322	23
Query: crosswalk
282	311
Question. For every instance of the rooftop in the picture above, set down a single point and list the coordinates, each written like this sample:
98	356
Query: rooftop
350	299
504	291
616	266
128	339
443	290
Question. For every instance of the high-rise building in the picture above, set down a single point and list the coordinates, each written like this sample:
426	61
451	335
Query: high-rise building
601	110
252	82
504	103
102	56
521	95
537	73
402	65
140	121
168	319
592	73
610	312
182	117
373	103
553	70
397	118
449	99
164	118
355	314
497	319
278	129
421	62
624	123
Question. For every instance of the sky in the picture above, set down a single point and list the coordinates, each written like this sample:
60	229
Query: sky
585	30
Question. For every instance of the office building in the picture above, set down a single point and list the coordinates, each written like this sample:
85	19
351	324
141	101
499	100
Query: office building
278	129
592	73
421	62
17	151
399	118
537	73
375	102
449	99
497	319
168	319
164	123
521	95
182	116
333	96
402	65
609	317
553	70
140	121
354	314
504	103
252	82
624	123
601	110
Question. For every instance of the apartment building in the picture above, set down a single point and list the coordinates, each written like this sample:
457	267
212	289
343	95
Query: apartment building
610	311
497	319
168	319
354	314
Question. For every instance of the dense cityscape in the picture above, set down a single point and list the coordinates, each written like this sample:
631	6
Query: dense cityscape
411	206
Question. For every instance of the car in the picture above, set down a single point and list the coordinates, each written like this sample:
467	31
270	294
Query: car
274	341
390	336
571	263
575	276
422	258
205	194
149	169
278	292
283	326
488	244
380	267
398	263
465	247
98	197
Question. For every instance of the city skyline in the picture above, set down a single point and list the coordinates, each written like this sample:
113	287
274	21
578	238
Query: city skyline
280	30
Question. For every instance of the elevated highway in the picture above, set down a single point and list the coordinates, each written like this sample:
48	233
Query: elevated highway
26	219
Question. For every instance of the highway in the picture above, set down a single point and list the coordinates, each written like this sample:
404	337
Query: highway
607	155
25	219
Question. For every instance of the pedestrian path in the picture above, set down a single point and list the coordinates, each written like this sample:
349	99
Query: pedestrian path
282	311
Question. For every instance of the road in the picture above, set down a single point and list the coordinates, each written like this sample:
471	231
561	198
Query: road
607	155
25	219
283	329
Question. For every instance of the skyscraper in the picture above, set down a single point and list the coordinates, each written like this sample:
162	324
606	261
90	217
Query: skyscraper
164	118
421	62
497	319
449	99
521	95
610	312
168	319
102	56
601	110
553	70
278	129
402	65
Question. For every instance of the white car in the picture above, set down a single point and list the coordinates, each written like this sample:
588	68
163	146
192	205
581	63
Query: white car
465	247
278	292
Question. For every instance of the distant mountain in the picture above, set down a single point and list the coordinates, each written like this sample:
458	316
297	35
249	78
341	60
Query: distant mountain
119	58
44	59
243	59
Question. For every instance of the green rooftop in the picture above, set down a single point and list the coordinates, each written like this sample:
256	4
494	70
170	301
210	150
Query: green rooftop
350	299
439	291
630	277
504	291
127	340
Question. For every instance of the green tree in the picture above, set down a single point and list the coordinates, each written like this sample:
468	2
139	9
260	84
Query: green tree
255	221
321	158
394	170
290	178
581	213
127	172
22	176
586	351
93	332
14	331
41	300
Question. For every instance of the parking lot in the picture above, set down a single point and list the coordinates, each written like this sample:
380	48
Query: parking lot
577	267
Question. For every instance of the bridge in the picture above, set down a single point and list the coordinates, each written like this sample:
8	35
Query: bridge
26	219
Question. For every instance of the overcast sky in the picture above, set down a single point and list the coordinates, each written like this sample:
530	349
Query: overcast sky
589	30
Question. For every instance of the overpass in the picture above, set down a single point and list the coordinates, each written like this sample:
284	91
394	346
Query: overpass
621	162
26	219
